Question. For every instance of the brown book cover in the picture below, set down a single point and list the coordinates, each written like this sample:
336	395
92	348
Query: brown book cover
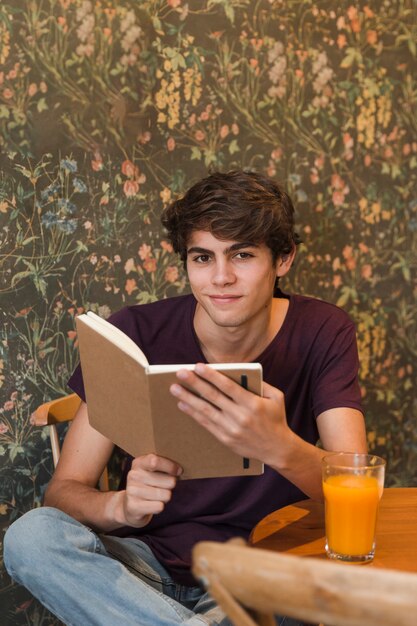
129	403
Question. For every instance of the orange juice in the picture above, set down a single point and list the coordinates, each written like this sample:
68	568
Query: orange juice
351	503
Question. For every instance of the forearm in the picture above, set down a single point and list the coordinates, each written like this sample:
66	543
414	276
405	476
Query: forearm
301	465
340	429
102	511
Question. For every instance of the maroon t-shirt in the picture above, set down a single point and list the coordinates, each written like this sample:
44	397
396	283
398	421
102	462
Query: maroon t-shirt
313	359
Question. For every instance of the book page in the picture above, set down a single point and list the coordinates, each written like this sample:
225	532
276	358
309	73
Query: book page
115	335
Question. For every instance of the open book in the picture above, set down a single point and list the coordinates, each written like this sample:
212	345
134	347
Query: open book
129	402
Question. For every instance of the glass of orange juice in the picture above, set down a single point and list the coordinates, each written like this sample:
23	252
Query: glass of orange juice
352	485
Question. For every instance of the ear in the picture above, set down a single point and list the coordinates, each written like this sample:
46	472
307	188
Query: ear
284	263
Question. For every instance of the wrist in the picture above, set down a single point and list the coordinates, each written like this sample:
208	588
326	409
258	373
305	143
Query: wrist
114	511
284	451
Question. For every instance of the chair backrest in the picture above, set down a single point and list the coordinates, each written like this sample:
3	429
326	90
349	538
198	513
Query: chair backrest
57	411
309	589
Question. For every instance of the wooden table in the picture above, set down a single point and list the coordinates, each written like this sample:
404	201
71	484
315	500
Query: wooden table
299	529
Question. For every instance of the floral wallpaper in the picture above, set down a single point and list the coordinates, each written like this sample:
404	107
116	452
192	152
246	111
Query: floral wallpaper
108	110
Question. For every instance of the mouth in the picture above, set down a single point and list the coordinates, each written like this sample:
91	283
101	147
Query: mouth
224	299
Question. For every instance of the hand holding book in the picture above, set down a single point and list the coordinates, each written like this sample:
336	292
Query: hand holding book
129	402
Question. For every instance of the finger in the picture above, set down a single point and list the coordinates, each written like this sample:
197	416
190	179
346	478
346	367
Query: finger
220	394
149	494
272	392
156	463
213	423
151	479
145	508
196	406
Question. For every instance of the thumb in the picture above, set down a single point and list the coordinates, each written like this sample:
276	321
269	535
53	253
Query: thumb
272	393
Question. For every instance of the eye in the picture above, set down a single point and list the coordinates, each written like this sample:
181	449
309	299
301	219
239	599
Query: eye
243	255
201	258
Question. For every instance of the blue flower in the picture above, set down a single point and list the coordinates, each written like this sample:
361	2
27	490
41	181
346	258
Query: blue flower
49	219
68	165
67	226
79	186
301	195
48	194
67	205
295	179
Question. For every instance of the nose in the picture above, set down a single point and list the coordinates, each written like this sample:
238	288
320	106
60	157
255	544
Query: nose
223	273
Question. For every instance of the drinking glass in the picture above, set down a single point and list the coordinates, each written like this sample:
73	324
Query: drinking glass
352	485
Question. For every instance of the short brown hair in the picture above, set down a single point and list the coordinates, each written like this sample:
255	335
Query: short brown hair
236	206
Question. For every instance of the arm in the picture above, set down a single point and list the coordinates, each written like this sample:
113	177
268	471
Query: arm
257	427
84	455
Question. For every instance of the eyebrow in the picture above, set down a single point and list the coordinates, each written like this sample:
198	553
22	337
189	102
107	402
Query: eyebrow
232	248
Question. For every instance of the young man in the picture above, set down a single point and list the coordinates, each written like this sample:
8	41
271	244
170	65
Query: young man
235	234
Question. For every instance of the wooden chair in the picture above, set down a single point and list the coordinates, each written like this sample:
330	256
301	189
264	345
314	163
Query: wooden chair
57	412
308	589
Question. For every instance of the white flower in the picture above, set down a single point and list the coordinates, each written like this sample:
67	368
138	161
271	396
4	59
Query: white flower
276	51
278	70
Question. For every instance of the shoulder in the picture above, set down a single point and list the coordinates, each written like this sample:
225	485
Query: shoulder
318	312
160	309
148	320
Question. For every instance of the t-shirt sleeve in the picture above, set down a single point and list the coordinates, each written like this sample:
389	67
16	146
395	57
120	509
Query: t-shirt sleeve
123	320
337	383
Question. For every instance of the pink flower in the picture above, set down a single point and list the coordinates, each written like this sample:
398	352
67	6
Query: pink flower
171	274
130	286
199	135
276	154
347	252
352	13
166	246
341	41
337	182
314	176
144	251
144	137
97	165
150	265
224	131
129	169
72	334
337	281
130	188
338	198
271	170
366	271
350	263
355	26
32	89
171	144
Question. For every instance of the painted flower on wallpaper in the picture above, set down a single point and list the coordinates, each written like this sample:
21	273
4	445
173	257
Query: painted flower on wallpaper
132	33
136	178
277	72
4	43
85	31
340	190
322	75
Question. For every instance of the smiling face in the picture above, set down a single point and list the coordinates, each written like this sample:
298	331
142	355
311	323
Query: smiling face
233	282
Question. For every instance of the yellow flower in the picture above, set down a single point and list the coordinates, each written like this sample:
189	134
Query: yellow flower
4	44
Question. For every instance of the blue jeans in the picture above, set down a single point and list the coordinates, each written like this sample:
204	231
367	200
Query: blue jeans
91	580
